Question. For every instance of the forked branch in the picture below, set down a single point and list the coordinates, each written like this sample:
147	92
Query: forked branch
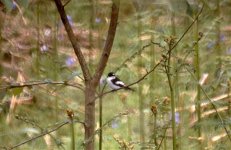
109	41
74	40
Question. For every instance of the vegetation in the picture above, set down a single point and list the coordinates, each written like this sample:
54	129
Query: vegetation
55	57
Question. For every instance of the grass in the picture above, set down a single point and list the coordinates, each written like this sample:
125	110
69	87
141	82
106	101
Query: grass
50	102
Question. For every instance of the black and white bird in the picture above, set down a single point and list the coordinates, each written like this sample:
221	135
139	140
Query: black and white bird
115	83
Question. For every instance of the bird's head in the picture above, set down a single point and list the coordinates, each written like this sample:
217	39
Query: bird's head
111	74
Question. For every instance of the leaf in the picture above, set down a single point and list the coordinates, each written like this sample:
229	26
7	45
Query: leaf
8	4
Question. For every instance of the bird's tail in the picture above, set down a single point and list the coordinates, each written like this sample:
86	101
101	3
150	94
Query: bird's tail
128	88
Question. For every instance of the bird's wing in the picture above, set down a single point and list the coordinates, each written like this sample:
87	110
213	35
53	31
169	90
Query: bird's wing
118	82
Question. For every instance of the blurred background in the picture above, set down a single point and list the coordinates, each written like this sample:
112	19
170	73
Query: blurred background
40	77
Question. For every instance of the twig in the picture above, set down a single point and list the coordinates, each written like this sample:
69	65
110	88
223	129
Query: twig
189	27
158	44
37	83
42	134
136	53
162	139
33	123
38	136
208	113
64	5
206	103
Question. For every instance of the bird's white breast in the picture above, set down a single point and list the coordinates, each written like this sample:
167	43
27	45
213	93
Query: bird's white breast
112	86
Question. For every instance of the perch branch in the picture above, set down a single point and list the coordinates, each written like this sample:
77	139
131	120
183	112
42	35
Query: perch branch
161	60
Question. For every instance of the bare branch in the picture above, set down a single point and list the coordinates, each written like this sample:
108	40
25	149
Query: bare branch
109	42
37	83
43	134
74	40
164	136
33	123
137	53
67	3
38	136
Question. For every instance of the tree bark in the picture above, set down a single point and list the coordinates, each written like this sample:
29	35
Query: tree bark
89	115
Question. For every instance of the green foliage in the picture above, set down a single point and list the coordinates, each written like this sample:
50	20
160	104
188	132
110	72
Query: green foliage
23	3
8	4
34	44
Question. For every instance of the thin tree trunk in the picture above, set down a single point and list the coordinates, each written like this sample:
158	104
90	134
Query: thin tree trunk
198	89
89	116
100	122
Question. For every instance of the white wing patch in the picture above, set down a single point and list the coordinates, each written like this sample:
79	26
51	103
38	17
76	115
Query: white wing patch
119	83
